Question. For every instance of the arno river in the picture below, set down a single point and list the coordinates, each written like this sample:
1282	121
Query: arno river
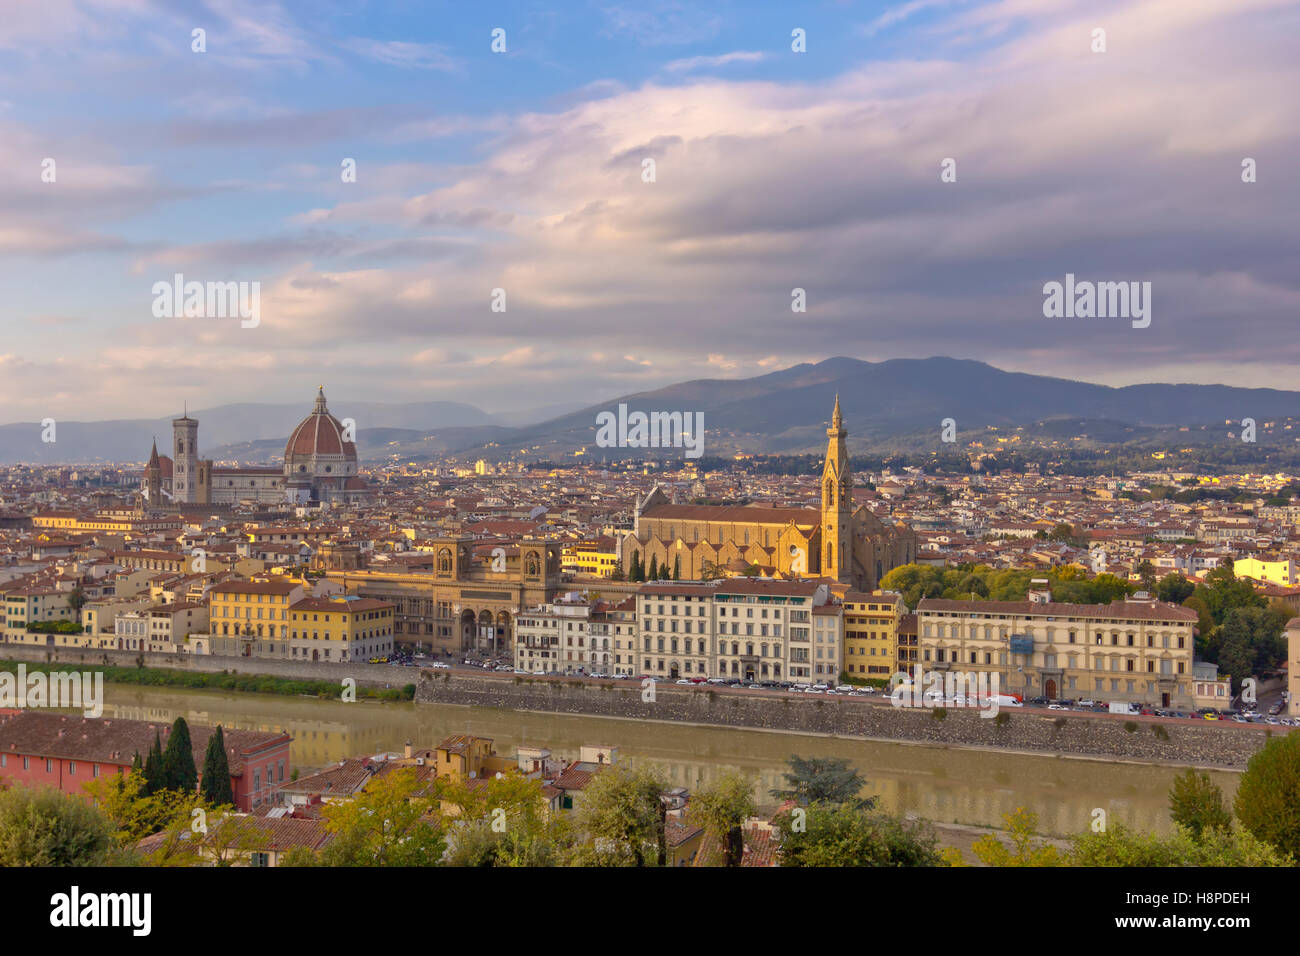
946	785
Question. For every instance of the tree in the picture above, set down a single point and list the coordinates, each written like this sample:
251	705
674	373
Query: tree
654	568
1268	798
618	574
40	826
178	770
677	567
390	823
828	780
136	813
1025	849
822	835
1196	804
1174	588
76	599
1146	572
623	818
1250	642
506	823
215	785
153	768
722	808
1119	846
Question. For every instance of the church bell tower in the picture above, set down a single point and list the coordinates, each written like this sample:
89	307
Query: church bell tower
837	503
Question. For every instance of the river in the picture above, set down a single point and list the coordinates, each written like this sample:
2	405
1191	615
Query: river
943	784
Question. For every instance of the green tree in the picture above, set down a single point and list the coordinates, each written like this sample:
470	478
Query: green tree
1119	846
827	780
677	567
1146	572
653	574
1196	804
623	818
1268	798
153	768
40	826
722	807
215	785
1174	588
178	770
1026	848
822	836
390	823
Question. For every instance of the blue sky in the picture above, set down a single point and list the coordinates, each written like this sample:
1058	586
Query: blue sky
774	170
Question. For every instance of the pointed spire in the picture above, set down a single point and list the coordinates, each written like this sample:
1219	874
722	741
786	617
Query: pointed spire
153	455
837	421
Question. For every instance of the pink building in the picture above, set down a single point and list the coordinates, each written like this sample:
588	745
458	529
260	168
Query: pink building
39	748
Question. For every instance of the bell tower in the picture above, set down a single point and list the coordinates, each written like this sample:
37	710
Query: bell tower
837	503
185	459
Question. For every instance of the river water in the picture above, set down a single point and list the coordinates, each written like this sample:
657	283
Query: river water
944	784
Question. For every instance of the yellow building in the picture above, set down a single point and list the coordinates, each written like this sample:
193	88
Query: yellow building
597	557
461	756
1278	570
275	619
871	633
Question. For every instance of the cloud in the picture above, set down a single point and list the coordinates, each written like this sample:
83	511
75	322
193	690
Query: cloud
692	63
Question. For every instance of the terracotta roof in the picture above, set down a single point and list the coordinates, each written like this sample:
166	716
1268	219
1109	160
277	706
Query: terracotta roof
117	741
736	514
1118	610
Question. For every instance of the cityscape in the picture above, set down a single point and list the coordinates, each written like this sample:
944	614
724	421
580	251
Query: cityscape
613	436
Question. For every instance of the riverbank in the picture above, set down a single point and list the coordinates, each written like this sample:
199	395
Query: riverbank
1027	731
1072	734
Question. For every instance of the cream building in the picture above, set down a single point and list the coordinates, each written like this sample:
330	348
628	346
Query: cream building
1136	650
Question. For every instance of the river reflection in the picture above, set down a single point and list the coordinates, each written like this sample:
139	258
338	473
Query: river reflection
948	785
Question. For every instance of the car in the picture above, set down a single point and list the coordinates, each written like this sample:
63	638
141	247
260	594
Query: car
684	681
753	687
441	665
620	677
699	680
1087	702
1210	716
1037	700
717	680
814	690
844	688
820	686
1147	712
1057	707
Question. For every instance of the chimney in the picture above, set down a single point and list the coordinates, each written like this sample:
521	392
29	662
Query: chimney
409	750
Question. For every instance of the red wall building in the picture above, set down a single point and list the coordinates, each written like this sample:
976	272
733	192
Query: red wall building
39	748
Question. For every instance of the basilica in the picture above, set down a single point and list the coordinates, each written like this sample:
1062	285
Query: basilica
841	541
320	465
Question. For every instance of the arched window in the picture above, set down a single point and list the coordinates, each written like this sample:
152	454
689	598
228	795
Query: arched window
532	565
830	491
444	559
830	555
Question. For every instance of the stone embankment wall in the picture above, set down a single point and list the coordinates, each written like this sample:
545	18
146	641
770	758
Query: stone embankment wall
1067	733
368	674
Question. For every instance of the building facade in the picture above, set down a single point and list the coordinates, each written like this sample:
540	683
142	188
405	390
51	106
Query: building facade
841	540
1139	651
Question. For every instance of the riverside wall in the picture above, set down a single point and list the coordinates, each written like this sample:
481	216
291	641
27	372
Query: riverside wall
1072	734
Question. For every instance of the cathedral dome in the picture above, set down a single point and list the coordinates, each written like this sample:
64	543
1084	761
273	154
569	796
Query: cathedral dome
319	435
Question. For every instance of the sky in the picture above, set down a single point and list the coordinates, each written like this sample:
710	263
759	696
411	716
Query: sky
525	170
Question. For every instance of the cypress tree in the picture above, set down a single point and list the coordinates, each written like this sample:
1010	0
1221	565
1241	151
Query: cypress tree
179	772
635	574
215	785
677	568
153	769
654	569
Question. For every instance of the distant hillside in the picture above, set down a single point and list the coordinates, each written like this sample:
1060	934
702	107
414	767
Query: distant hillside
893	404
787	411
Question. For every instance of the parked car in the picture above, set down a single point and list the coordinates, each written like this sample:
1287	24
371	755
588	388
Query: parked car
1057	707
845	688
441	665
1087	702
684	681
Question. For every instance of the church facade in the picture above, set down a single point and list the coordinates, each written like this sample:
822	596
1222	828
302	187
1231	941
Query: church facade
841	541
320	465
